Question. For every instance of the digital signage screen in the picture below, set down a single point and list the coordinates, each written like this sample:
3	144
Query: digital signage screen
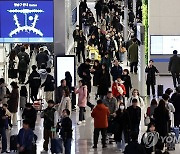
26	21
164	44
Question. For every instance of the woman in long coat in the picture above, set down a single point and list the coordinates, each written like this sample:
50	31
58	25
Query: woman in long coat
122	127
13	102
104	81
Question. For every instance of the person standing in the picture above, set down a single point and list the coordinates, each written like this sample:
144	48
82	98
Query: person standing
81	46
151	71
66	130
174	68
25	139
13	102
76	37
3	89
135	116
60	89
100	114
3	129
23	65
68	79
82	100
133	56
50	116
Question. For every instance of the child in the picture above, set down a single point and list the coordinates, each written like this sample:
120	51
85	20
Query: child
66	130
8	114
23	97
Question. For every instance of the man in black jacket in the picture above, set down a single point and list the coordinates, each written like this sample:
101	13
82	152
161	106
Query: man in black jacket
84	67
66	131
41	58
48	85
30	114
174	68
23	64
3	130
151	71
34	81
135	116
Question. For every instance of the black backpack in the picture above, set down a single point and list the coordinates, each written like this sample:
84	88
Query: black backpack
11	64
22	61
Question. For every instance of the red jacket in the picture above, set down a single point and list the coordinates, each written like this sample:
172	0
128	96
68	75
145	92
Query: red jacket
115	91
100	114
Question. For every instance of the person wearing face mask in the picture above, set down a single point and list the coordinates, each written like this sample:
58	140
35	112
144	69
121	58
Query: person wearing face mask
151	71
122	127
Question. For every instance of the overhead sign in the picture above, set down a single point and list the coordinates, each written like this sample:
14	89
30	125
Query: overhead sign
26	21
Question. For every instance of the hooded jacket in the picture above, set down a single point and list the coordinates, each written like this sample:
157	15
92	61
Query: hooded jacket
100	114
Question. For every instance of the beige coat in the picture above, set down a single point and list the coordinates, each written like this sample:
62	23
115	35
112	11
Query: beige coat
65	104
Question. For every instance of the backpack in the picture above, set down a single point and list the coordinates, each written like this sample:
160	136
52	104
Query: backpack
22	61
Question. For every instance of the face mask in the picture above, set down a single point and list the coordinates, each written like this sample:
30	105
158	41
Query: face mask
1	105
122	107
77	28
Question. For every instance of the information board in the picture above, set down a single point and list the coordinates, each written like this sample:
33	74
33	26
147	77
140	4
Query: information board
164	44
26	21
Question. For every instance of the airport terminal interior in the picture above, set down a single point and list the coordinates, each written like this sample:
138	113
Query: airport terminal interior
119	36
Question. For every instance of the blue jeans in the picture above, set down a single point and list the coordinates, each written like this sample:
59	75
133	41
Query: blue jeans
4	139
121	145
67	146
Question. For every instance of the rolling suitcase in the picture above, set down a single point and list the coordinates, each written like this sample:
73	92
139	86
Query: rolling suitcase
171	145
176	132
56	143
160	90
13	143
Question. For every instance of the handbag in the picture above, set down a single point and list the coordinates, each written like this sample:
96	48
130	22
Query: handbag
147	120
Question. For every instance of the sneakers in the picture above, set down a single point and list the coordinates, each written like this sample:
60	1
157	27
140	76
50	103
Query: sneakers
79	123
5	152
84	121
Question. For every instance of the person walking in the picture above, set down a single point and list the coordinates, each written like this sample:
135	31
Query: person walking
174	68
133	56
50	116
135	116
34	81
3	129
3	90
161	116
116	70
151	71
13	102
41	58
49	86
82	100
23	65
81	46
30	114
122	129
100	114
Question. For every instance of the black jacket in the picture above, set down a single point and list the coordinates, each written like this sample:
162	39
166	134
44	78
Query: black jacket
174	64
93	30
49	83
134	148
2	114
34	80
41	58
127	83
30	115
83	68
134	115
66	128
151	74
76	35
23	61
104	83
116	71
123	125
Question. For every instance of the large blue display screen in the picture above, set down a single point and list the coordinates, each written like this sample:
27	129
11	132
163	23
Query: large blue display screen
26	21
